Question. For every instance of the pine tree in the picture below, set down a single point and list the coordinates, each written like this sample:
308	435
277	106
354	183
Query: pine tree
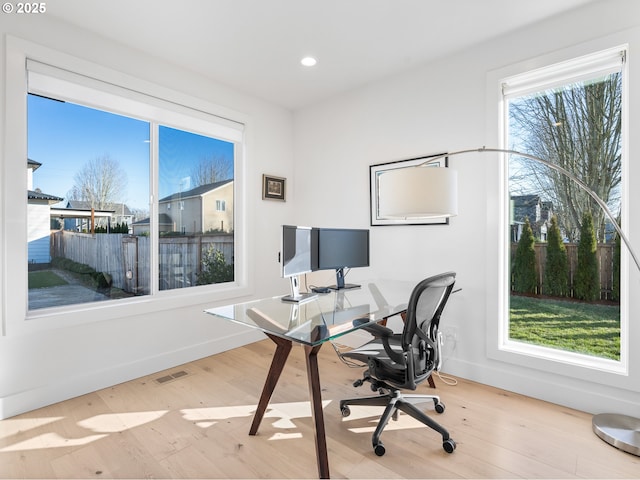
524	263
587	281
615	294
556	267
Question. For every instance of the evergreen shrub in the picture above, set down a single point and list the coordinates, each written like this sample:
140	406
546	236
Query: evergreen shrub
587	279
556	272
524	263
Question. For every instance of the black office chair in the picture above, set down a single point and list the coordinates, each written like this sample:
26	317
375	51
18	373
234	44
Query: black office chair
404	360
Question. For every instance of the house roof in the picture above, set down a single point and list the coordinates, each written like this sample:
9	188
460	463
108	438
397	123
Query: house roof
117	208
37	195
33	164
79	213
163	219
524	200
526	205
195	192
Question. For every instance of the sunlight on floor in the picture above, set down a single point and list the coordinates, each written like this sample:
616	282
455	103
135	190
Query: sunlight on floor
117	422
211	415
12	427
285	436
288	412
50	440
28	435
283	413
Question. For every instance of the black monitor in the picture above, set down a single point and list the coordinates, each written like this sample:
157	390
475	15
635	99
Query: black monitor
340	248
296	258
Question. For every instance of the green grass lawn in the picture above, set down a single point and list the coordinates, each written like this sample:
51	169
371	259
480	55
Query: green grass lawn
44	279
587	328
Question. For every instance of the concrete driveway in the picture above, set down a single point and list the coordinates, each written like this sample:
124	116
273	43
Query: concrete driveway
63	295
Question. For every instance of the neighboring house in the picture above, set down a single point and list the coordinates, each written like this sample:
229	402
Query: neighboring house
202	209
38	218
142	227
114	213
538	212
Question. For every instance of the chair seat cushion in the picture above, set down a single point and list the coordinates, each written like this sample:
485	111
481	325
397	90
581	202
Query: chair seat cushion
375	349
386	369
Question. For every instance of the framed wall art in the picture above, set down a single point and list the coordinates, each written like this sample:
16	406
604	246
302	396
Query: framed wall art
374	174
273	188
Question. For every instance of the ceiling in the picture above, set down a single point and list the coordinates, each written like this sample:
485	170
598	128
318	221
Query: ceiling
255	46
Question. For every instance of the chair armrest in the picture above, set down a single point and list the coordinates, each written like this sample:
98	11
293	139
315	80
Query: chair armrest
377	330
384	333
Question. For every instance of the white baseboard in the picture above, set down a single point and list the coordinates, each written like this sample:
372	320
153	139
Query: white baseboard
583	396
65	388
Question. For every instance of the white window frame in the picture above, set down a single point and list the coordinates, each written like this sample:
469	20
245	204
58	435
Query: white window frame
565	66
53	71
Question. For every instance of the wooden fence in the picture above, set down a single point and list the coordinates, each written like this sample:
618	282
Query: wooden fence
126	257
604	256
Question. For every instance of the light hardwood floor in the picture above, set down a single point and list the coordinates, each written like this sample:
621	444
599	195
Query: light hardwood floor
196	426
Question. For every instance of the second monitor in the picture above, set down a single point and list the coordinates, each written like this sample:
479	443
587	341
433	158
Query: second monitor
337	249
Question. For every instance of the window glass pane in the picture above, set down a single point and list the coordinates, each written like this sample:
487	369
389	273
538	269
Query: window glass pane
196	215
88	184
565	255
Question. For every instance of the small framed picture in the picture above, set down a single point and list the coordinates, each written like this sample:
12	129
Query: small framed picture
273	188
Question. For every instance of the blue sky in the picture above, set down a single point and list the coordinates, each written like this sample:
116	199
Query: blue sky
64	136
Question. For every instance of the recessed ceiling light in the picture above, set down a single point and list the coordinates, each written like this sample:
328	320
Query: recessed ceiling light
308	61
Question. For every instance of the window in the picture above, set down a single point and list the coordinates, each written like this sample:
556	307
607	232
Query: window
564	281
89	185
221	205
97	154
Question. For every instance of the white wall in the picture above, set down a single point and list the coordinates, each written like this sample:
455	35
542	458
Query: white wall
39	366
446	106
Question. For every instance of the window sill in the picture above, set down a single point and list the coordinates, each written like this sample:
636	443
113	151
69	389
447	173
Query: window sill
549	359
86	313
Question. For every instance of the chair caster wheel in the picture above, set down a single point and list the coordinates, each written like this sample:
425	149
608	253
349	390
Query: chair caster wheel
440	407
449	446
379	449
345	411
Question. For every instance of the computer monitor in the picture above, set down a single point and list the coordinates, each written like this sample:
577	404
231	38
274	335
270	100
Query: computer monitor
296	259
340	248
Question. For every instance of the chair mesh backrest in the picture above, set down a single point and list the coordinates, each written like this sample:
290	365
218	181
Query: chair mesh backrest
426	303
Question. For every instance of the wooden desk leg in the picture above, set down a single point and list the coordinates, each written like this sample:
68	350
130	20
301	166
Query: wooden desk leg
283	347
313	376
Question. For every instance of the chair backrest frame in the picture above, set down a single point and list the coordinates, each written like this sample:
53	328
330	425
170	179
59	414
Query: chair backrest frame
441	285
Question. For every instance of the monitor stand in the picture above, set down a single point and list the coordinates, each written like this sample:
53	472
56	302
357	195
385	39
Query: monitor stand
296	296
340	285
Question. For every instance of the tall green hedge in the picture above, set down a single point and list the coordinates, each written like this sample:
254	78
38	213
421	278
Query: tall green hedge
587	279
116	228
524	263
556	272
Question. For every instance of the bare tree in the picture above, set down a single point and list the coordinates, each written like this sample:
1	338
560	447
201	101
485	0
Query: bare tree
100	182
210	170
579	128
139	213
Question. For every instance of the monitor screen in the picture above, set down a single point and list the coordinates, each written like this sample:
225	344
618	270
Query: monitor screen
337	248
296	250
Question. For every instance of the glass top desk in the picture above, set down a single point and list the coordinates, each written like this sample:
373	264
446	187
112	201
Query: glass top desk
312	323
